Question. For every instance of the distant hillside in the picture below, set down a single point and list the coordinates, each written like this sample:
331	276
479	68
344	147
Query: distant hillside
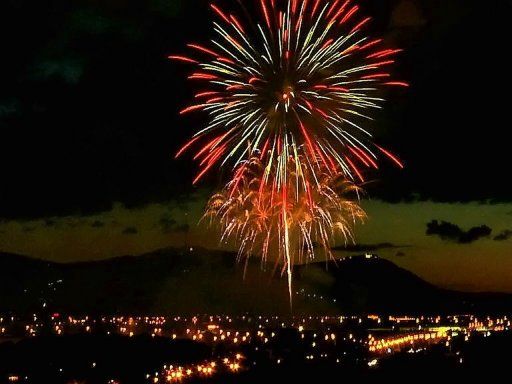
166	281
201	281
361	284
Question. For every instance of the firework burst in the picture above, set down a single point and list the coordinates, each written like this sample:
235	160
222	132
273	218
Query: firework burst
287	222
287	88
301	81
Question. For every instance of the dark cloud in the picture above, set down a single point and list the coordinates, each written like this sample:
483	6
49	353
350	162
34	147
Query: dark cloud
167	223
97	224
368	247
503	236
130	231
9	108
90	22
69	70
170	8
452	232
49	223
75	222
55	223
183	228
170	225
407	14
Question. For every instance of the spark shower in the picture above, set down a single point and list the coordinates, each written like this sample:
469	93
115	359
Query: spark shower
287	87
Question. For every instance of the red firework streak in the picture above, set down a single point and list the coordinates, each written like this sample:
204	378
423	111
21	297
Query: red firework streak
289	87
303	74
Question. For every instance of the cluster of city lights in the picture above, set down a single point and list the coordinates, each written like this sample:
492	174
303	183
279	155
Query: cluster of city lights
250	340
172	373
397	343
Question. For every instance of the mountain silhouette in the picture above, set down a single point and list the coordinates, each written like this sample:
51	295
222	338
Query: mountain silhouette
191	281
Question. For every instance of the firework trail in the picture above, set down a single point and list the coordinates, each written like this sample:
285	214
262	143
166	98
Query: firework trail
287	86
288	222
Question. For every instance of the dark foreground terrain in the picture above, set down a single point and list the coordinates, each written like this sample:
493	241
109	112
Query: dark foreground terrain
190	281
100	359
39	344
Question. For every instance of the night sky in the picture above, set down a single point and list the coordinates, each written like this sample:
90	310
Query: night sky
89	127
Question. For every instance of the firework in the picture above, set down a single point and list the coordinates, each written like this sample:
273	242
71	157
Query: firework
287	222
296	78
287	89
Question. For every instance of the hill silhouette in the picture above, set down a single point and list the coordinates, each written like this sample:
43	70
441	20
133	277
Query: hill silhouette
188	281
